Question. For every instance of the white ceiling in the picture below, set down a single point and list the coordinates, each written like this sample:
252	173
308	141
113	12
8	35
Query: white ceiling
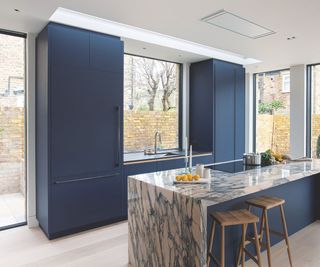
182	19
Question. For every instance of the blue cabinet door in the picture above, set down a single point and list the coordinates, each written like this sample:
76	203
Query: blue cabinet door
240	113
80	203
106	53
201	106
69	47
224	131
86	122
86	102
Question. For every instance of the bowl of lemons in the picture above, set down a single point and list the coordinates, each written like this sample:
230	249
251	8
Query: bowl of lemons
187	178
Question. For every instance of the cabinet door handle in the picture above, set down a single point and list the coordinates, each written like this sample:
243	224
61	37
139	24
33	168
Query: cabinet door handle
86	178
118	108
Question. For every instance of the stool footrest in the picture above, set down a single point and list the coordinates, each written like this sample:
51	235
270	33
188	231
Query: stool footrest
216	261
251	255
276	233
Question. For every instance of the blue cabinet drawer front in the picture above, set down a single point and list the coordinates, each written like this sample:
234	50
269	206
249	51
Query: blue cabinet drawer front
80	203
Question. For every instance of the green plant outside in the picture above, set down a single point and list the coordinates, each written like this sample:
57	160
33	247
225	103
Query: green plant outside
267	108
318	147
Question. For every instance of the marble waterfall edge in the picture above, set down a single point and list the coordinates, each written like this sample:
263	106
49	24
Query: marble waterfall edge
165	228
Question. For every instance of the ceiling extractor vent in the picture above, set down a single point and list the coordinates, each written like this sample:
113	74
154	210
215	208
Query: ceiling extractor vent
231	22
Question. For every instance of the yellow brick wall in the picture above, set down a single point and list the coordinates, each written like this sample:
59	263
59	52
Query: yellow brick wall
281	134
315	133
140	128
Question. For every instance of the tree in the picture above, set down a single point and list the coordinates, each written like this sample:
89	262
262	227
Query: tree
167	76
151	75
274	106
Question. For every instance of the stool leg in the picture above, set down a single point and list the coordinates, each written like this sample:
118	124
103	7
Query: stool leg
241	246
257	244
222	246
285	230
213	230
261	228
243	243
267	236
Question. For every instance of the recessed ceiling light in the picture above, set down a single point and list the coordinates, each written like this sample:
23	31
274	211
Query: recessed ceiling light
16	10
234	23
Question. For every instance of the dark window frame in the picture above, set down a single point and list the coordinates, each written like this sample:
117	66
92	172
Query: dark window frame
254	115
180	106
309	108
24	36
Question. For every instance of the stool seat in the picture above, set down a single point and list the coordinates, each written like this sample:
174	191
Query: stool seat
234	217
266	202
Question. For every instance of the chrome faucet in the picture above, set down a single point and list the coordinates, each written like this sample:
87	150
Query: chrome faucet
156	136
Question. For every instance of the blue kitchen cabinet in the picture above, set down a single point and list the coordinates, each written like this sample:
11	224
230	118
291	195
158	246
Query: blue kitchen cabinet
224	110
201	116
79	102
217	109
240	113
81	204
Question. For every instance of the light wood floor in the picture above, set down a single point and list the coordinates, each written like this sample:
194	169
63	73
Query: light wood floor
107	246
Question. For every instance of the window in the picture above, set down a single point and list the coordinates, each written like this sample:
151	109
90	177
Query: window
286	83
12	131
272	117
314	109
151	103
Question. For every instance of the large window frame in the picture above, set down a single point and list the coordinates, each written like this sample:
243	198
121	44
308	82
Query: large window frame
24	36
180	97
254	99
309	103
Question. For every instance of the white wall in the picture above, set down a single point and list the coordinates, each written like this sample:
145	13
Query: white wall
185	100
249	113
30	114
298	111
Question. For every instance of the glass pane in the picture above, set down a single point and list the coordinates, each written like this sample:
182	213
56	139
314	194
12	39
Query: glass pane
12	132
273	111
315	123
151	103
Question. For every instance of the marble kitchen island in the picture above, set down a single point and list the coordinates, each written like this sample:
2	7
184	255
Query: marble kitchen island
168	223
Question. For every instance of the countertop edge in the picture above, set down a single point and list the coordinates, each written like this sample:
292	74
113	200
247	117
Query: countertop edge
163	159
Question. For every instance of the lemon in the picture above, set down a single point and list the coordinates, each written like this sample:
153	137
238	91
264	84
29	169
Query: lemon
184	177
196	177
178	177
189	176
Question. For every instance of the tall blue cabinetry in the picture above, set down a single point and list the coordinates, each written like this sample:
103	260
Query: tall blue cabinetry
217	109
79	100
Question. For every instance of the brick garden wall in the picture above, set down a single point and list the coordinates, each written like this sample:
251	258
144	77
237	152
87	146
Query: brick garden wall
315	133
281	133
12	150
140	127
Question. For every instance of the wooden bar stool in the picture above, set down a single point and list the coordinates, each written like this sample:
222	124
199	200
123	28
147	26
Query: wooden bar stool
230	218
266	203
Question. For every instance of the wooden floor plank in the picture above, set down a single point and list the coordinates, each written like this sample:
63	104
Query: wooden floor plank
108	246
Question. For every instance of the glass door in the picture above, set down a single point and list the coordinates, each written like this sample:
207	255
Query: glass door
315	110
272	117
12	131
